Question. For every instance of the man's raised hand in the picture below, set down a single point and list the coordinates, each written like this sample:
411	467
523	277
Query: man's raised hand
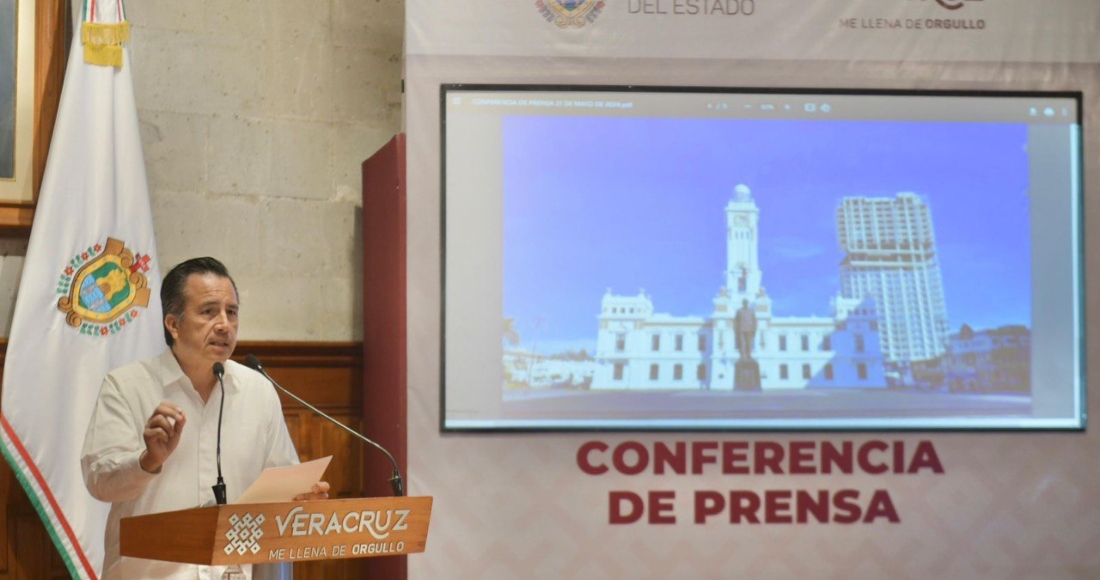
162	434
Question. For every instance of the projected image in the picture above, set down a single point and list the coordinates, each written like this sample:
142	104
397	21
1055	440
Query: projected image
658	268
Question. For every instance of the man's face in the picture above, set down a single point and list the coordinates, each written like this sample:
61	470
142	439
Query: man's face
207	331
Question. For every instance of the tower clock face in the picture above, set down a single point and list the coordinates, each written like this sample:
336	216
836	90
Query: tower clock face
741	220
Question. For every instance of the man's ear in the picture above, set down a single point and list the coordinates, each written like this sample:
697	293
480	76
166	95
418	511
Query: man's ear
172	323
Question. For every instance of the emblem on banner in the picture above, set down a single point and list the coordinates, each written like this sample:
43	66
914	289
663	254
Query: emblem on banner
103	287
570	13
954	4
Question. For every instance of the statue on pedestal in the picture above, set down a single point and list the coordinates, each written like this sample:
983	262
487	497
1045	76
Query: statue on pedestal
744	328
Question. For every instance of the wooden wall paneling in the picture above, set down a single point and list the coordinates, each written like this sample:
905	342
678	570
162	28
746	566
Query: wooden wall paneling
24	536
31	547
330	378
326	374
296	424
345	475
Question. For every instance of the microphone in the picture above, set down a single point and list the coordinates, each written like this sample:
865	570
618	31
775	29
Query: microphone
395	482
219	488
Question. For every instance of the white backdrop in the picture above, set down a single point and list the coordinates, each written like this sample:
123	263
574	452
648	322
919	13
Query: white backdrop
1011	30
1008	505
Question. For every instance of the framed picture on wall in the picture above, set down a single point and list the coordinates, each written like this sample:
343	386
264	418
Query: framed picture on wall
17	54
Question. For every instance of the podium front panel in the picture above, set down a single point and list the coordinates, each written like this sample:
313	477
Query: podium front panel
281	532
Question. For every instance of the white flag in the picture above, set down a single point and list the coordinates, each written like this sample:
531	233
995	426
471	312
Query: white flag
89	297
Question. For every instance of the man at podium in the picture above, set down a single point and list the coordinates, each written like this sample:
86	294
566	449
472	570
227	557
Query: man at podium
157	440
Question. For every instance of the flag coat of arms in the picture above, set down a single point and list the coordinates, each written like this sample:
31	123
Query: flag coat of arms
89	297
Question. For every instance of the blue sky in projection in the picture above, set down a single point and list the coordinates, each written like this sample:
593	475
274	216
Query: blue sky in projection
638	203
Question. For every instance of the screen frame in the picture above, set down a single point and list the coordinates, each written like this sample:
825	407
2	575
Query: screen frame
1079	261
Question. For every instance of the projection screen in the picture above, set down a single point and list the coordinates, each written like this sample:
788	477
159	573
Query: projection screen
659	258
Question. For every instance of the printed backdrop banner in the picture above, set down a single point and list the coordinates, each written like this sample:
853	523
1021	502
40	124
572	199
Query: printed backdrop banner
928	30
565	505
89	296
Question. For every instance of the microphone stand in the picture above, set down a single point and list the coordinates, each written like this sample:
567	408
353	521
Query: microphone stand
396	483
219	488
234	571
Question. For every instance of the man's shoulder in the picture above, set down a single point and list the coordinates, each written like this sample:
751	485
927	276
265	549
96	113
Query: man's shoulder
143	368
142	371
245	377
243	371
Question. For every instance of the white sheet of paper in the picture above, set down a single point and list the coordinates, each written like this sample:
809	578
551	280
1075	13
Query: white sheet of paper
283	483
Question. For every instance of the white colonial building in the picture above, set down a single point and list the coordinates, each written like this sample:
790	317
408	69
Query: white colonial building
638	348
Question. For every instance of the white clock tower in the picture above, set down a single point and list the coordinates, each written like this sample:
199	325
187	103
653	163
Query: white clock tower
742	247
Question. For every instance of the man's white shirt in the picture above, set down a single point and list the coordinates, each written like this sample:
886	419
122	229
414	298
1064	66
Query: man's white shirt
254	437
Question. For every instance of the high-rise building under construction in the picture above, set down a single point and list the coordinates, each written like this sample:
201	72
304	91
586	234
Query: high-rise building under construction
890	254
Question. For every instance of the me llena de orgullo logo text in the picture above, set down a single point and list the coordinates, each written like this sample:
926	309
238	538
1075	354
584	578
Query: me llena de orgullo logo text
104	288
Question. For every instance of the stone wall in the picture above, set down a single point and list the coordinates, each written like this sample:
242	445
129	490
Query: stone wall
255	116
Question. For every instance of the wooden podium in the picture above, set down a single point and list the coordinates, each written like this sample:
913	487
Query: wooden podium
281	532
